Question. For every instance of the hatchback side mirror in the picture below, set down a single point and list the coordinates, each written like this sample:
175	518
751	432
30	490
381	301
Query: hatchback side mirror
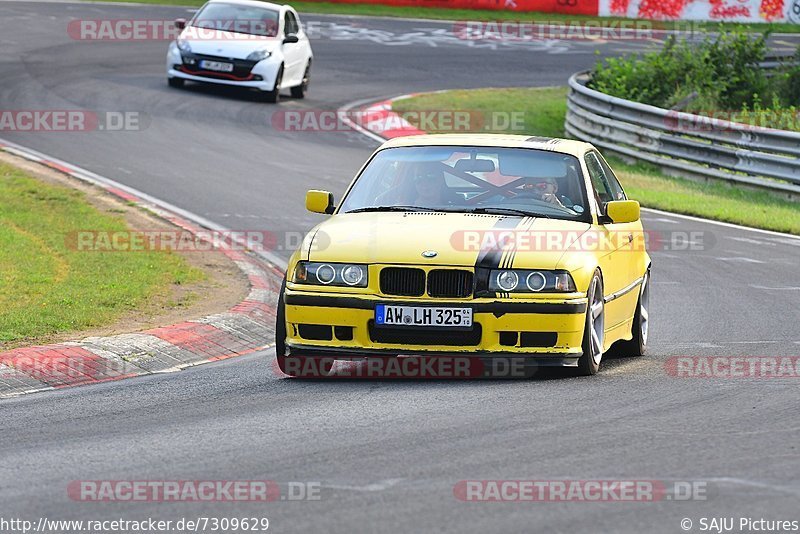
320	202
623	211
180	23
291	38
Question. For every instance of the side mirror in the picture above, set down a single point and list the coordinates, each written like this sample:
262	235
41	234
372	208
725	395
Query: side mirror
180	23
291	38
623	211
320	202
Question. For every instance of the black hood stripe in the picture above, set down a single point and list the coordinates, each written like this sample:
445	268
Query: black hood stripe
490	257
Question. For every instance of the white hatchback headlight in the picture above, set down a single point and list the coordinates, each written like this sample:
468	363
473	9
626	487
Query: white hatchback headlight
259	55
184	46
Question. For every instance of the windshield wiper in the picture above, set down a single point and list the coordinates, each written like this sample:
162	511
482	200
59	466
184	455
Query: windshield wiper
508	211
390	208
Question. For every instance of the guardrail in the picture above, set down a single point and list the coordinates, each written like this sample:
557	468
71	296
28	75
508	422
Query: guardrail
684	143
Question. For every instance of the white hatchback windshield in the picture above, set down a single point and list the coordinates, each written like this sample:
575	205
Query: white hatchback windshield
505	181
238	19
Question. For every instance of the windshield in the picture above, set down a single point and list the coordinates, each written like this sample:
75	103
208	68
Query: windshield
238	19
505	181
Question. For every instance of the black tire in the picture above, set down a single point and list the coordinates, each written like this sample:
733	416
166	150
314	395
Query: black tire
274	96
175	82
299	91
289	365
280	331
589	362
637	345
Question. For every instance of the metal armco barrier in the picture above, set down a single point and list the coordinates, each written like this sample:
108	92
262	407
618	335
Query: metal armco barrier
684	143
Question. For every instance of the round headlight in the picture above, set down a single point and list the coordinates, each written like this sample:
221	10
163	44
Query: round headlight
325	274
352	275
536	281
507	280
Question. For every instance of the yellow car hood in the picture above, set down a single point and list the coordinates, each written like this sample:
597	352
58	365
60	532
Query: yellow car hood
458	239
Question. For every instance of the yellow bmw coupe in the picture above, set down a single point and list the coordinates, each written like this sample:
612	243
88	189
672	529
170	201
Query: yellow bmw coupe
481	246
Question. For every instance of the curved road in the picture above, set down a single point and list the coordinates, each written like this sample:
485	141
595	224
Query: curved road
387	455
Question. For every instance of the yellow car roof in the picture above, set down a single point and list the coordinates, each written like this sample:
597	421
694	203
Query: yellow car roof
563	146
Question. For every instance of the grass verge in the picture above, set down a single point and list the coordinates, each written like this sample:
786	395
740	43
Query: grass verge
436	13
544	111
48	287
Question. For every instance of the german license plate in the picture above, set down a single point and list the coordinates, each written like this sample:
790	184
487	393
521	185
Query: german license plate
426	316
218	66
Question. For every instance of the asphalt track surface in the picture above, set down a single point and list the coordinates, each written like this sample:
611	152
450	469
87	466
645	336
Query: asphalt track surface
387	455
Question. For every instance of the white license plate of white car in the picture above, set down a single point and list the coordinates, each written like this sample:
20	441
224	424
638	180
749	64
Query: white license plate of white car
423	316
218	66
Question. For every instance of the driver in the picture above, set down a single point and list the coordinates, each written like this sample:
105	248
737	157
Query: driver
546	189
430	188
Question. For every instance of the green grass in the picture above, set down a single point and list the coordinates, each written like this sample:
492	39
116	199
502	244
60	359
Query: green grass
48	287
435	13
542	109
544	112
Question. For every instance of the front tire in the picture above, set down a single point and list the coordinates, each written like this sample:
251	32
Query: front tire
175	82
280	332
293	366
274	96
299	91
594	332
637	345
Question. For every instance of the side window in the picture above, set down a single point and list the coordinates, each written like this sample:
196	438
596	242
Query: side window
602	191
613	183
290	24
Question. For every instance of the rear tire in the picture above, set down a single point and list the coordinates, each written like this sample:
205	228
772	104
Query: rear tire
594	332
274	96
299	91
175	82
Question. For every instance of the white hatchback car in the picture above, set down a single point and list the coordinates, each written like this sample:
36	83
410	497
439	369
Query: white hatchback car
244	43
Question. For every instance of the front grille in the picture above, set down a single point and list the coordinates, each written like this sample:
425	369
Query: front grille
241	67
414	336
403	281
452	283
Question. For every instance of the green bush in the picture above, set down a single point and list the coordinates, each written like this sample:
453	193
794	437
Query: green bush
790	85
719	73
